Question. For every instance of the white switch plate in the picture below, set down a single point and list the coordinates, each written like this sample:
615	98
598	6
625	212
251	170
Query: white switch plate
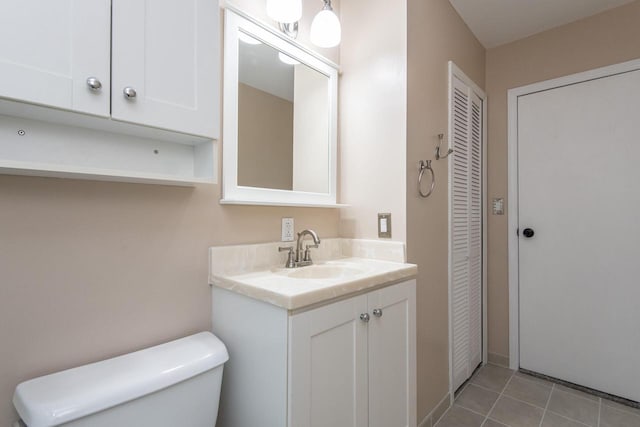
287	229
498	206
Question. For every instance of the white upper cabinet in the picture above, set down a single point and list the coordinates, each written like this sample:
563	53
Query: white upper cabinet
64	110
50	49
165	64
153	63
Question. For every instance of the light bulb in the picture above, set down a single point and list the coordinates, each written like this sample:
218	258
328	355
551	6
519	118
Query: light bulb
287	59
286	11
325	29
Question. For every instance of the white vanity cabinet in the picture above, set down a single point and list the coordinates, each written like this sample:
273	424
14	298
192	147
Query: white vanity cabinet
352	363
347	363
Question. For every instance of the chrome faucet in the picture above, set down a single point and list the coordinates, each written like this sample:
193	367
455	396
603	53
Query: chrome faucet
303	259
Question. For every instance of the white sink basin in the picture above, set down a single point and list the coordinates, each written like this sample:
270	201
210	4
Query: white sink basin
293	288
322	271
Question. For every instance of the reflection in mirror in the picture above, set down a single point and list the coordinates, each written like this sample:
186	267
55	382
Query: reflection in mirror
283	121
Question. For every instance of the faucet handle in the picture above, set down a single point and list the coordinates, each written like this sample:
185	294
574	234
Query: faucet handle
291	262
307	252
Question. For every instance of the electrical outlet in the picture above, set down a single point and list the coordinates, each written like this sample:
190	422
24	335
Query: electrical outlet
384	225
287	229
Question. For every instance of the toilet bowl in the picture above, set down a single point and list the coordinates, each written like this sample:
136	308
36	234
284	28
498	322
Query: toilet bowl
172	384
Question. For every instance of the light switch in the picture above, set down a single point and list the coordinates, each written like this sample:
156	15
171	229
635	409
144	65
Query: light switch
498	206
384	225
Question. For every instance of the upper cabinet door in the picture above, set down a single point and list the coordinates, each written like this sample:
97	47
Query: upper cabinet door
49	51
166	64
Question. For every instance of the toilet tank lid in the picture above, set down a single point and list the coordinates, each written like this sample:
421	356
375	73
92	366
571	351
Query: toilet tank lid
75	393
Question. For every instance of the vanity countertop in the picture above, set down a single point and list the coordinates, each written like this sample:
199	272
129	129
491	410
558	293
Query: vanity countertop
300	287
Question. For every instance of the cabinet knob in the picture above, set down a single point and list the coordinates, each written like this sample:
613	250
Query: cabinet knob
94	83
129	92
377	312
365	317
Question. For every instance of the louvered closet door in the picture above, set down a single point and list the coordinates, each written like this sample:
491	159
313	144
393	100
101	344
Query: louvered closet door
466	231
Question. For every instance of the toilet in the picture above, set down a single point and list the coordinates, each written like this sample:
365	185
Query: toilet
172	384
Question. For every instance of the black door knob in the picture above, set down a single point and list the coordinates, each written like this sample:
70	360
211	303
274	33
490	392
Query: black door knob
528	233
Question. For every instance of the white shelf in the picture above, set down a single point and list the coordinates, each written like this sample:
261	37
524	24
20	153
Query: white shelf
64	151
95	174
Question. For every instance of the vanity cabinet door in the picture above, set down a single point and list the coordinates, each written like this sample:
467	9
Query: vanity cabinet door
166	64
328	366
50	49
392	356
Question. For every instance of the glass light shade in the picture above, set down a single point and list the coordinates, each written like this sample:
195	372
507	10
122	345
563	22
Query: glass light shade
287	59
325	29
286	11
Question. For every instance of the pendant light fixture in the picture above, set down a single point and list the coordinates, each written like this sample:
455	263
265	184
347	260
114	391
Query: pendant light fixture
285	11
325	28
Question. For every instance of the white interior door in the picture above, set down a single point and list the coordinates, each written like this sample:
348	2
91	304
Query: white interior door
465	246
579	191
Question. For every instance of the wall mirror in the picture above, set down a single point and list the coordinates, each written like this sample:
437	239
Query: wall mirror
280	119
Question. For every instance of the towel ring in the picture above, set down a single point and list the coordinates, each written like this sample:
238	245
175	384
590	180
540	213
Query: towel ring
426	165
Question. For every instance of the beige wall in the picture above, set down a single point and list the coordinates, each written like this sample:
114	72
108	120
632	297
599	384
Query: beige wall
265	139
373	116
604	39
90	270
436	35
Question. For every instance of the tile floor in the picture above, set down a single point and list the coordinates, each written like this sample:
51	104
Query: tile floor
499	397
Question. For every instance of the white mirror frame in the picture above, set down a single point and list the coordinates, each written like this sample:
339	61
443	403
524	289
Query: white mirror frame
232	193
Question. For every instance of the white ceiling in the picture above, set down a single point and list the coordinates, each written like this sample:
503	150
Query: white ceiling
495	22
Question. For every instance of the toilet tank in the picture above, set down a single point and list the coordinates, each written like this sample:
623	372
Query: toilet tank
169	385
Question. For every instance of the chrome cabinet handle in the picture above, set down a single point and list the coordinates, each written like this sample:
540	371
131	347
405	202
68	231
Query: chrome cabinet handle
129	92
94	83
365	317
377	312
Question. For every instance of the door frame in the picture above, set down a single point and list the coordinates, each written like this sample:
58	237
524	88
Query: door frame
513	216
455	71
